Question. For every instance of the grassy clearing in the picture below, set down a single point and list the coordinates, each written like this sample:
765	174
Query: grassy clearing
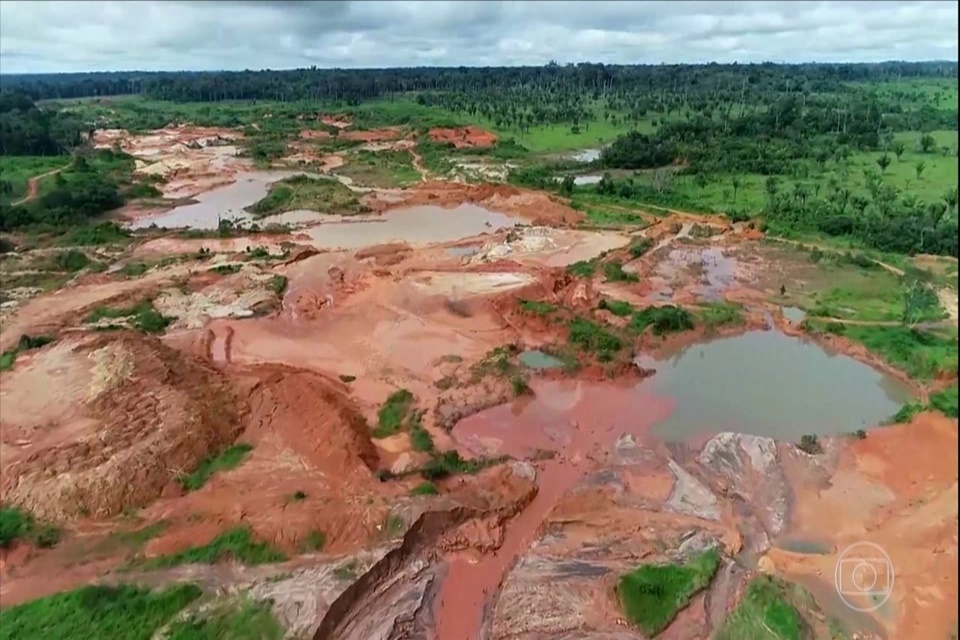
17	524
383	169
26	343
323	195
16	172
124	611
229	458
393	414
652	595
764	612
233	620
236	544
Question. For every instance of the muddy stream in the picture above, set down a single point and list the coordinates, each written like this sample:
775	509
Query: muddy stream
579	421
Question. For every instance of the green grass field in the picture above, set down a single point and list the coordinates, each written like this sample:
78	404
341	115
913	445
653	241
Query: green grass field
17	171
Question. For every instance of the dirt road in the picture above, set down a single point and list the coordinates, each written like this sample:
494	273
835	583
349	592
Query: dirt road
33	185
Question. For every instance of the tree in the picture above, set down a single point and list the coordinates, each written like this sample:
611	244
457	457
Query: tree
950	198
899	149
927	142
883	162
566	185
736	183
771	186
919	299
919	167
701	180
662	179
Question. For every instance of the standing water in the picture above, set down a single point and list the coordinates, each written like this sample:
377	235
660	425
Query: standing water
769	384
415	225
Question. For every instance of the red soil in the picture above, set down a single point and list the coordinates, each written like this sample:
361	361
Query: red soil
464	137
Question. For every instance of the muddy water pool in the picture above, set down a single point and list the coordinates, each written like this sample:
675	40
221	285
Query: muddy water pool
536	359
586	155
416	225
226	202
769	384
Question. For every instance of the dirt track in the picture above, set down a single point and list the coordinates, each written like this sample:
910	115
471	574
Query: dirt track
33	185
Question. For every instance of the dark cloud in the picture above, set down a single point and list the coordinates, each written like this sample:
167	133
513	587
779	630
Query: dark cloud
165	35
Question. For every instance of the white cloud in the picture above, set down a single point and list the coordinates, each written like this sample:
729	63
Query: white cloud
37	37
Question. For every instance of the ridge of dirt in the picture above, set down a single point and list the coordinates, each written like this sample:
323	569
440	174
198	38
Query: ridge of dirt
142	413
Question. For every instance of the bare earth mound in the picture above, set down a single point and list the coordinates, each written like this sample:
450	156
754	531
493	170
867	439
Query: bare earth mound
129	414
464	137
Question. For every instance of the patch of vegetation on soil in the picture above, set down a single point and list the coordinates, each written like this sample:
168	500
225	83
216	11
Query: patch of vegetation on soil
582	269
616	307
323	195
393	414
229	458
764	612
26	343
613	272
425	488
315	540
664	320
717	314
17	524
384	169
142	316
652	595
124	611
944	401
590	336
537	307
449	463
233	620
237	544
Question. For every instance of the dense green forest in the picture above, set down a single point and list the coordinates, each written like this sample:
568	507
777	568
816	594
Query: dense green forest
725	82
865	152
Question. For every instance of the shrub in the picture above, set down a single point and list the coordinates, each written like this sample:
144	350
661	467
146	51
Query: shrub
810	443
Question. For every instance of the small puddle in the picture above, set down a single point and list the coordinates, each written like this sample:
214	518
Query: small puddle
769	384
414	225
805	546
224	203
719	272
586	155
577	419
536	359
591	179
793	314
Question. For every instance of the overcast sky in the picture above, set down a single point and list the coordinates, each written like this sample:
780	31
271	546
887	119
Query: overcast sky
45	36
